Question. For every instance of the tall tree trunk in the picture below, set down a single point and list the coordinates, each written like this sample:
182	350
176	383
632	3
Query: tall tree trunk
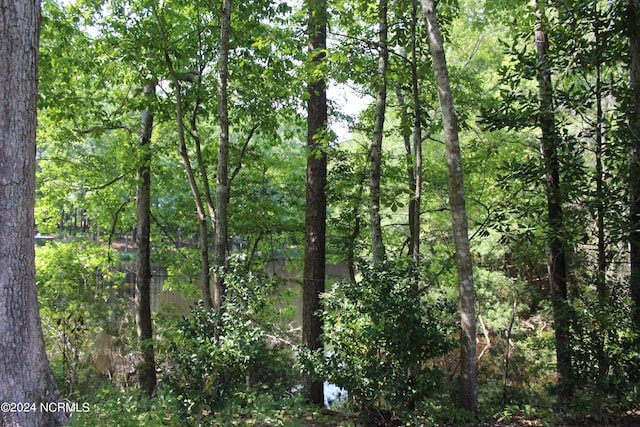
375	154
316	209
557	260
417	137
633	31
142	297
222	177
413	141
469	383
410	167
25	376
600	140
601	282
195	191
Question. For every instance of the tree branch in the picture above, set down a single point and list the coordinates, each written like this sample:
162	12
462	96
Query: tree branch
243	151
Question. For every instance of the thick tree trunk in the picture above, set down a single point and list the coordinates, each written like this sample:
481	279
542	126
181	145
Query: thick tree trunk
142	298
222	177
633	31
25	376
316	209
557	260
469	383
375	154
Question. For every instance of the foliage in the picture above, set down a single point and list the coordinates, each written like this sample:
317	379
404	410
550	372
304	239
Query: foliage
80	293
380	328
386	322
110	406
605	354
216	359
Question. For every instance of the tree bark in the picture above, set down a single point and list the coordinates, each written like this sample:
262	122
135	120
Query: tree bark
416	202
601	282
222	177
25	375
316	208
195	191
142	297
375	154
633	32
557	261
469	383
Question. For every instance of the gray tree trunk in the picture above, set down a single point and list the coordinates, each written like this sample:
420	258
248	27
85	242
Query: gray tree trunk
25	376
142	297
222	177
469	382
195	191
375	154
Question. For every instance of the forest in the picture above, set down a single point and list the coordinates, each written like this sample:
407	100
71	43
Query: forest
335	213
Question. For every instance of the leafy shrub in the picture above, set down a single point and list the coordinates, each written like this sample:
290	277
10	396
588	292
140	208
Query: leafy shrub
379	332
213	359
78	291
605	353
110	406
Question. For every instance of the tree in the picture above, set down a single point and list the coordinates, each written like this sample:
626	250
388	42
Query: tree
222	177
142	298
557	263
415	165
316	209
375	154
203	229
25	375
633	33
469	381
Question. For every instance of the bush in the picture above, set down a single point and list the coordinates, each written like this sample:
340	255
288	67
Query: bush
379	333
214	359
79	291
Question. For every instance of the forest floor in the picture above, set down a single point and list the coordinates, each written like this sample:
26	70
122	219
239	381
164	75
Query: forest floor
337	419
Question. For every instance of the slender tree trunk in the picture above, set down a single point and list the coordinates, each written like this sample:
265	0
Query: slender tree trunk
413	142
316	209
410	166
600	139
417	136
222	177
353	237
469	382
195	191
375	154
142	298
600	203
633	30
25	376
557	261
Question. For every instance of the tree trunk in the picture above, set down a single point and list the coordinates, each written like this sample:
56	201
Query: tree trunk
195	191
375	154
416	202
142	298
25	376
601	281
469	383
557	260
633	16
316	209
222	183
